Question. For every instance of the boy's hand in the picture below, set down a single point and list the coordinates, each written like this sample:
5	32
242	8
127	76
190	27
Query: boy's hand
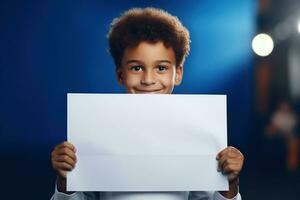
231	161
63	159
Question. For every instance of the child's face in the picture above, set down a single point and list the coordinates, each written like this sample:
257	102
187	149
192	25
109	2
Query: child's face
149	68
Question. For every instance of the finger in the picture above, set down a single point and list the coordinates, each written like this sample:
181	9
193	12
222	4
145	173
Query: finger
66	144
65	151
232	168
222	160
232	165
231	152
226	160
62	166
67	159
234	152
222	153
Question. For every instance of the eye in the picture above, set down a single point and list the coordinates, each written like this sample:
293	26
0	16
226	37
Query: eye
161	68
136	68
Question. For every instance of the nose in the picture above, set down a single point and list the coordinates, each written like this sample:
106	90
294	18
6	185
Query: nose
148	78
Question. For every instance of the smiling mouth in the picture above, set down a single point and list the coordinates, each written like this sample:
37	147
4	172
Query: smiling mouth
148	91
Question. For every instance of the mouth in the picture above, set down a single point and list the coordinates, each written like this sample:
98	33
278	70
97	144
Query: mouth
148	91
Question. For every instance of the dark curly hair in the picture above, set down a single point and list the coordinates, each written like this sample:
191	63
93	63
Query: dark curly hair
147	24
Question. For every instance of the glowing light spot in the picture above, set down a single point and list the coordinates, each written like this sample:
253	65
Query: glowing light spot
262	44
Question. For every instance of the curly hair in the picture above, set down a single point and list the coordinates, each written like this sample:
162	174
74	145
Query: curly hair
148	24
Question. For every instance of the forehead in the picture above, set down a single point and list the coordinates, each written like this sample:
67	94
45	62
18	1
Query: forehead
147	51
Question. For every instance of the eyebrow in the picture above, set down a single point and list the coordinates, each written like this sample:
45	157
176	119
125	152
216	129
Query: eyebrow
138	61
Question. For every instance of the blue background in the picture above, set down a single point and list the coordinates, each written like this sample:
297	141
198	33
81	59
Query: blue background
50	48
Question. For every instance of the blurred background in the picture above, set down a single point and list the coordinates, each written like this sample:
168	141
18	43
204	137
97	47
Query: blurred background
248	50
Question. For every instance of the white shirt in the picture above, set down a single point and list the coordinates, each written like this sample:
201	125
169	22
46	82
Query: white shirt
201	195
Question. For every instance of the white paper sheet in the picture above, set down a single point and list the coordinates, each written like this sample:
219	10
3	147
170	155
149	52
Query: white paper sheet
131	142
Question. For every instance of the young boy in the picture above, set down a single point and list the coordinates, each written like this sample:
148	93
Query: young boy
148	47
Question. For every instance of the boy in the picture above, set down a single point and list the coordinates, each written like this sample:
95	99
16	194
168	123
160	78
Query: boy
148	47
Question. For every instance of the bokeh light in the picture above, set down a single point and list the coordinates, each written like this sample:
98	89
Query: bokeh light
262	44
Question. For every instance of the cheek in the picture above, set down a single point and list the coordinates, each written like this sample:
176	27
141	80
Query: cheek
168	80
131	81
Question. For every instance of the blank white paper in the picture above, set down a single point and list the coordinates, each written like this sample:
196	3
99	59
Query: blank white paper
147	142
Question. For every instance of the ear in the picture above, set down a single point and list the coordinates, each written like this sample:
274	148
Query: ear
178	75
120	75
